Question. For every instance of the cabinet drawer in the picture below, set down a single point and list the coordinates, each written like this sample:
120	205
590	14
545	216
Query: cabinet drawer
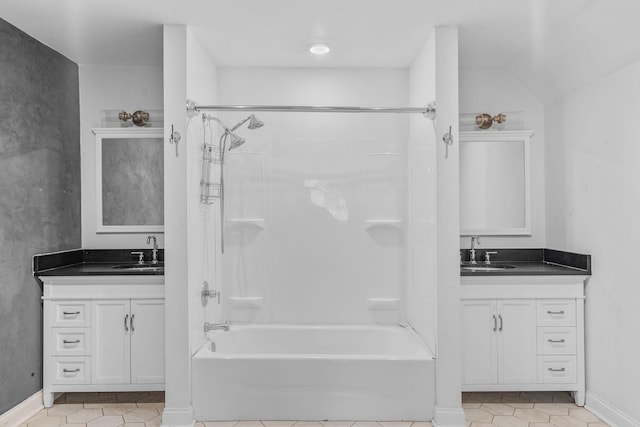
70	313
70	370
70	341
557	369
557	340
560	312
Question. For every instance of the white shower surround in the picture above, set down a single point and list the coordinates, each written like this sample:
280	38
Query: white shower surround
319	372
316	202
417	293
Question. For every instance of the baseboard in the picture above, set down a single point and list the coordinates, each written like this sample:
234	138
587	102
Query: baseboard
609	413
449	417
22	411
177	417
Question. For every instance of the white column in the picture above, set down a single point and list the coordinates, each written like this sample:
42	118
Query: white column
448	410
178	411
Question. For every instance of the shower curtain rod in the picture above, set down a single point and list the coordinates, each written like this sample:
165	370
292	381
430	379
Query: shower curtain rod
429	111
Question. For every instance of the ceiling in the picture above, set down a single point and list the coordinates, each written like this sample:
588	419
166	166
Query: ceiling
552	46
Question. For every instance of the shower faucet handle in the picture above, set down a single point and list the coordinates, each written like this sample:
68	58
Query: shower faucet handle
206	293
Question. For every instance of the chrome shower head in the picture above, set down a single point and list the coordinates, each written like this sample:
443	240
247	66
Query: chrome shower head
235	141
254	122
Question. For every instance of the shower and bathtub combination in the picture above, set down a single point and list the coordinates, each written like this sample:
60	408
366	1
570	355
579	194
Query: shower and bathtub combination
314	247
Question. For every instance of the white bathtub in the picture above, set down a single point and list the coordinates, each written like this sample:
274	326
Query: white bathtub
292	372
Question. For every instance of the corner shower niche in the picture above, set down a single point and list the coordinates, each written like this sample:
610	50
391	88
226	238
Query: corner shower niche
244	234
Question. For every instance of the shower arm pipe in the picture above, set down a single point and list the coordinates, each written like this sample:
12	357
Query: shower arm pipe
243	121
217	120
429	111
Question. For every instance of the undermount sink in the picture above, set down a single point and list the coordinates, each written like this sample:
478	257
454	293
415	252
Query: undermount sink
141	267
486	267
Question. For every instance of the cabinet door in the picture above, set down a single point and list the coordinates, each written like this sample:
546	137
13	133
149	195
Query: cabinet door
517	340
479	358
147	341
110	345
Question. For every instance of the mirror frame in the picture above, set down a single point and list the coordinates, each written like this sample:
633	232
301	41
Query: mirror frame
523	137
116	133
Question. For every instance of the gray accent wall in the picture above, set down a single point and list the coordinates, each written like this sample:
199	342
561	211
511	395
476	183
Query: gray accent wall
39	195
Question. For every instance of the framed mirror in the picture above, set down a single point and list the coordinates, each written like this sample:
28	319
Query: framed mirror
129	180
495	183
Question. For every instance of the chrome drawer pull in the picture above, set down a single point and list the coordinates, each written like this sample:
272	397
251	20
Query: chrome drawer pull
126	328
556	369
495	323
131	323
71	371
556	341
500	317
555	312
70	341
70	313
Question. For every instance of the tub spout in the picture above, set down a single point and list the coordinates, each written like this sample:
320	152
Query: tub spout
216	326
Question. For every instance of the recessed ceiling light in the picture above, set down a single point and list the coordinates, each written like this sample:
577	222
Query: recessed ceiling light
319	49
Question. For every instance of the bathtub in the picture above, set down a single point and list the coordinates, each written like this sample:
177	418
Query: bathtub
293	372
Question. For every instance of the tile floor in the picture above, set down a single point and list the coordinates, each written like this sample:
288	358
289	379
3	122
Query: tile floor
144	409
526	409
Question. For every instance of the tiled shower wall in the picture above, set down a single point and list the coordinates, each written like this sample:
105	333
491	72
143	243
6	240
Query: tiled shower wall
39	194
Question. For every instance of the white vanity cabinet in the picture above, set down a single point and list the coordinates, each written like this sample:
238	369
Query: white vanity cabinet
128	347
523	333
102	333
499	341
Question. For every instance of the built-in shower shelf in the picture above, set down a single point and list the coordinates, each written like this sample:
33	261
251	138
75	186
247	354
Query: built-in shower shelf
252	222
245	302
371	224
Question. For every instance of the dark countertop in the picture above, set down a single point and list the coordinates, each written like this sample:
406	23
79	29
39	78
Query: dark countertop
529	262
524	269
101	269
95	262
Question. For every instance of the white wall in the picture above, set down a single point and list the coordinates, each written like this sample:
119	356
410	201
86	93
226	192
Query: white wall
202	219
178	410
448	373
302	260
593	205
190	226
494	91
422	295
111	87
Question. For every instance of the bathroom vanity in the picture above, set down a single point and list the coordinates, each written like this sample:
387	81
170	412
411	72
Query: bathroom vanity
523	326
103	328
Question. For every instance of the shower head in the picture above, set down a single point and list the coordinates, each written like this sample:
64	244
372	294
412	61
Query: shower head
235	141
254	122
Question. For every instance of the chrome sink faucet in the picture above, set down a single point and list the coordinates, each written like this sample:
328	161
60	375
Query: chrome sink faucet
472	253
154	251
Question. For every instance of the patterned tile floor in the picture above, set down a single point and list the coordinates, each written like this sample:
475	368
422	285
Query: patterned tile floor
144	409
526	409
